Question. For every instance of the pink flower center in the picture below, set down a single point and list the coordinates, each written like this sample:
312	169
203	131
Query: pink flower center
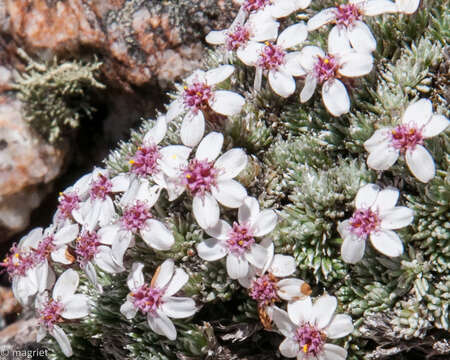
310	339
405	137
326	68
196	96
51	313
100	188
87	247
67	203
135	217
264	289
236	38
145	160
254	5
44	249
147	298
363	222
17	262
199	176
240	239
271	57
347	14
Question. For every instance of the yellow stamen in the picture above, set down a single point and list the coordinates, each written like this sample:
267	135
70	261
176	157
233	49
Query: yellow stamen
60	194
132	162
174	156
266	42
16	255
326	61
305	348
188	176
139	148
241	242
185	87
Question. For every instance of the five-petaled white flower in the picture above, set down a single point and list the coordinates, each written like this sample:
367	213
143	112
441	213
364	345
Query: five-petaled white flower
375	217
210	181
307	326
349	27
198	96
418	123
238	242
64	304
156	300
279	65
326	69
243	38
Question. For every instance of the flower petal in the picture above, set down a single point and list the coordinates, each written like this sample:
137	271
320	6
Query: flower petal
263	27
178	307
257	255
283	265
192	128
355	64
283	322
120	246
309	55
249	53
221	231
281	83
292	64
163	274
120	183
341	325
179	279
308	88
157	235
366	196
155	135
333	352
248	211
291	289
264	223
289	348
162	325
387	242
75	307
237	266
338	41
378	7
231	164
211	249
210	147
361	38
59	255
229	193
219	74
386	199
293	35
435	126
382	157
322	18
226	102
352	249
108	234
300	311
206	210
128	310
66	285
62	340
420	163
407	6
104	260
216	37
335	97
418	114
323	310
135	277
380	136
396	218
175	108
66	235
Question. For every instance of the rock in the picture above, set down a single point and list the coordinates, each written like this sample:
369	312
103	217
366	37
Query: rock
19	333
138	40
9	306
28	164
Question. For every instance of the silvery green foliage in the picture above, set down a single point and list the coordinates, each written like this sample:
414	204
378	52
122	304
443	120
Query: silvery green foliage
308	166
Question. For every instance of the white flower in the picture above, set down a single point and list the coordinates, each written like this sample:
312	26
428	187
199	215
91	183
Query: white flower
375	217
156	300
279	65
64	304
326	69
407	6
349	27
136	219
418	123
244	38
210	181
238	242
307	326
276	8
98	208
157	163
198	97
